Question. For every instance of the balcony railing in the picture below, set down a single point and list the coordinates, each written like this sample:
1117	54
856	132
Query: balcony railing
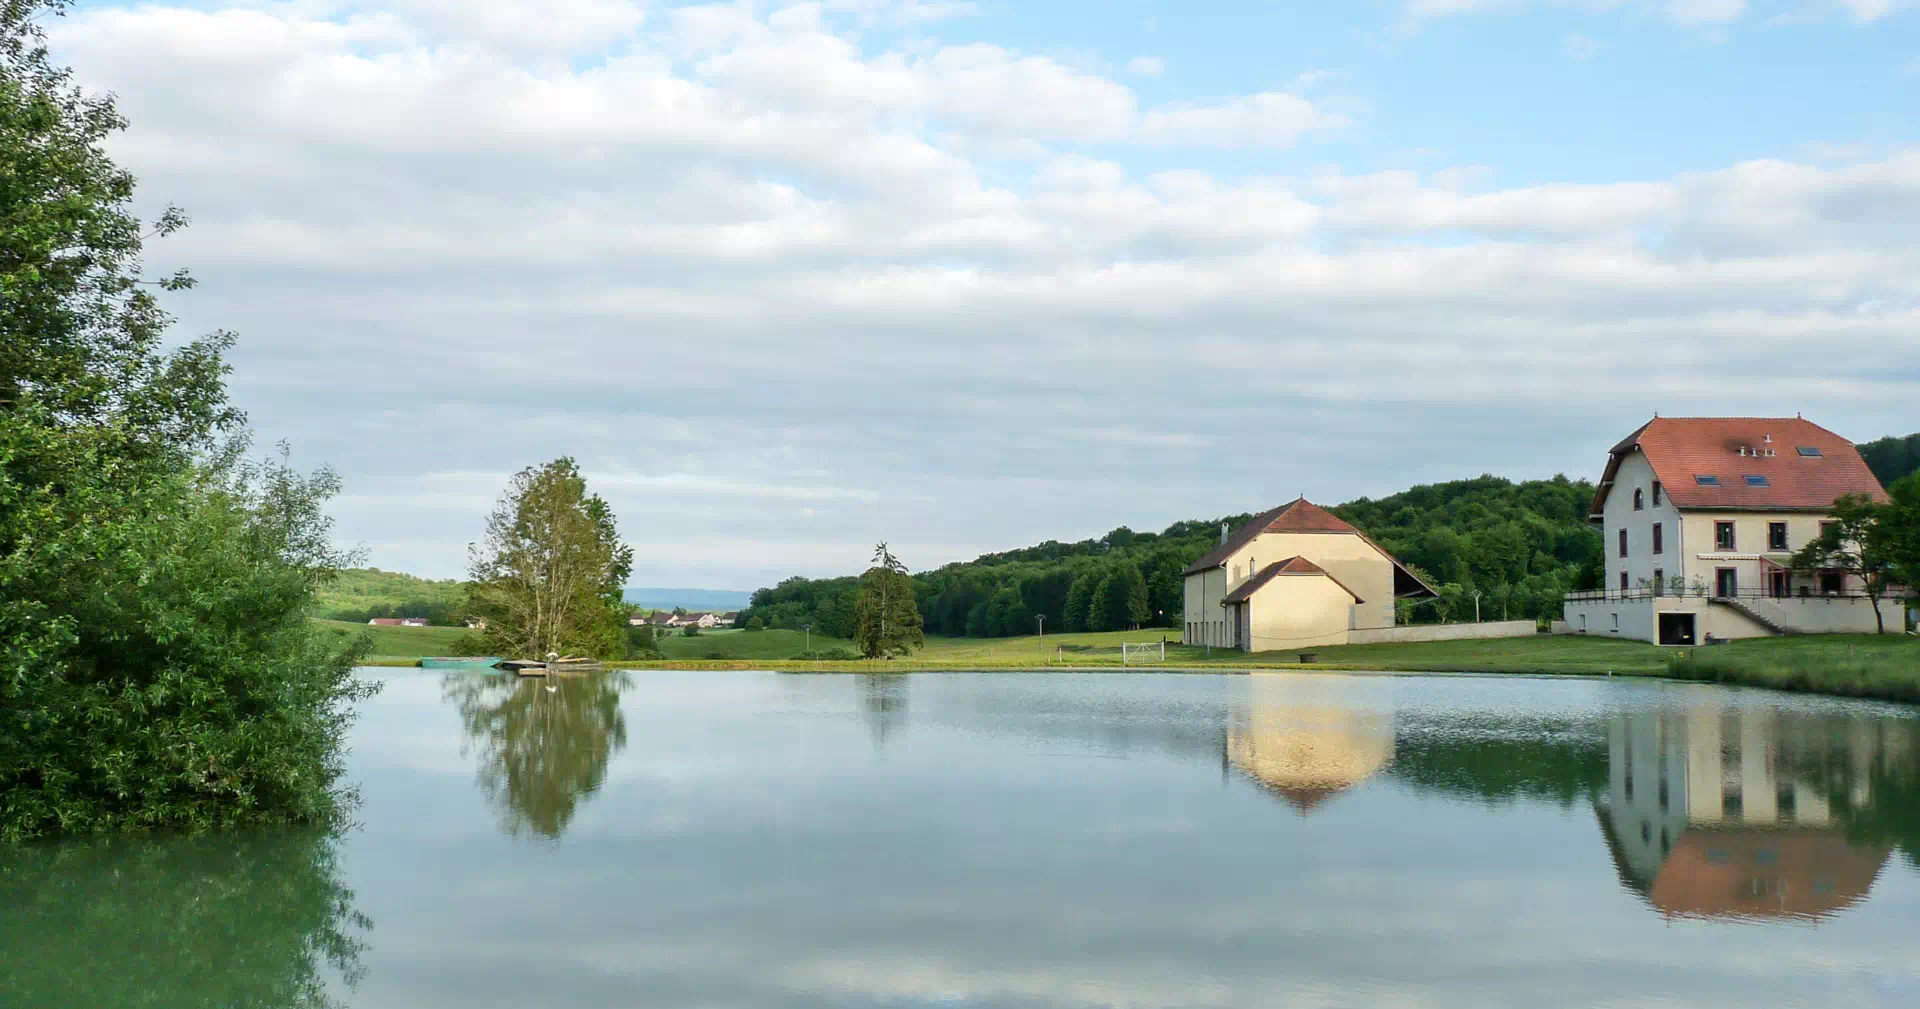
1643	593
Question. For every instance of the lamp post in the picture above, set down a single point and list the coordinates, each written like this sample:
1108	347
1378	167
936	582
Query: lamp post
1041	619
809	629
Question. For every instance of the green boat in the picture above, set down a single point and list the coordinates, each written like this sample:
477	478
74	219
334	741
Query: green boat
458	662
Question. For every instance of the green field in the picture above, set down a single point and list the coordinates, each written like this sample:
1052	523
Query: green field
739	645
1852	665
400	642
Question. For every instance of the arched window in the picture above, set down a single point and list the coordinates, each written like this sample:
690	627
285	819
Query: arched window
1639	499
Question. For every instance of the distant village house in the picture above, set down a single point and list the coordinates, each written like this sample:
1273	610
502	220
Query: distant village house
398	622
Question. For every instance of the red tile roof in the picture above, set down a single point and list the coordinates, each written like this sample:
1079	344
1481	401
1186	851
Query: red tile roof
1682	448
1303	516
1290	566
1297	516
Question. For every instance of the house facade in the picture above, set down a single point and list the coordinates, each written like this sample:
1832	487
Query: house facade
1700	518
1296	576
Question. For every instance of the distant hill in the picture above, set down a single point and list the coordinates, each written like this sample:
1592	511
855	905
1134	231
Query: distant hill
360	594
1892	457
692	599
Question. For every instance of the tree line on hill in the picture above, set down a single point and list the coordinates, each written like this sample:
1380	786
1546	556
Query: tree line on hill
1509	549
1892	458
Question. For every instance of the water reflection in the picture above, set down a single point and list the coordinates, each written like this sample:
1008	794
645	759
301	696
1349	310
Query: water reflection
1306	739
166	922
884	703
544	744
1753	813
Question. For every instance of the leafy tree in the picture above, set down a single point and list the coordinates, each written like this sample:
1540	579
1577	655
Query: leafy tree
1893	458
157	667
1107	608
550	574
886	619
1899	531
1855	543
1080	601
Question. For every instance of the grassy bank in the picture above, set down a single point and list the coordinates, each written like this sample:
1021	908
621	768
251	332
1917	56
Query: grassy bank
1848	665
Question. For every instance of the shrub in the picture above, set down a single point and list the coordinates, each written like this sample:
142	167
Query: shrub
828	655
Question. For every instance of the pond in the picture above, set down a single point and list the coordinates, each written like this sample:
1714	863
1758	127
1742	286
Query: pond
1045	840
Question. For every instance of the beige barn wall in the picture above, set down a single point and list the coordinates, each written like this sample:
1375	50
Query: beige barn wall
1299	611
1749	540
1345	556
1443	632
1204	591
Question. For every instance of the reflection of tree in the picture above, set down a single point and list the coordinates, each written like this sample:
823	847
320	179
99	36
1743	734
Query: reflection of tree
1499	760
543	743
204	921
884	699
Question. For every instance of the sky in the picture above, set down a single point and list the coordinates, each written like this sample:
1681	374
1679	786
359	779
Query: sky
790	278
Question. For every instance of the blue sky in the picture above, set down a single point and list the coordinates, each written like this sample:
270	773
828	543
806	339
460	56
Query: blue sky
792	278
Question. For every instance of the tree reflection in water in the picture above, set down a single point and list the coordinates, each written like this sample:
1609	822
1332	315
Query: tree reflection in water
543	743
884	703
219	920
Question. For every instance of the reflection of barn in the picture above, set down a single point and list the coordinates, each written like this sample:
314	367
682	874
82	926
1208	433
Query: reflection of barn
1306	739
1732	815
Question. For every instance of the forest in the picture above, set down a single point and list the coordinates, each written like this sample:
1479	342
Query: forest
1512	549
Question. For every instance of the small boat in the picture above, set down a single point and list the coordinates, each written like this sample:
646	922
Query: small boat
557	667
459	662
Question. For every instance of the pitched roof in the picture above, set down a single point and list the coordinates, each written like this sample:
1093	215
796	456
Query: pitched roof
1290	566
1297	516
1680	449
1303	516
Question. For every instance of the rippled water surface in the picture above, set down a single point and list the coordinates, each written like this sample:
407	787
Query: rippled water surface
760	840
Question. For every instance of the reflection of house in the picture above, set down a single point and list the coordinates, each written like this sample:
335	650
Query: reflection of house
1701	517
1297	576
1306	739
1712	814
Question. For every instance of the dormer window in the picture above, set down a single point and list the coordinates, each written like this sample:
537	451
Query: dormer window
1639	499
1810	452
1757	480
1706	480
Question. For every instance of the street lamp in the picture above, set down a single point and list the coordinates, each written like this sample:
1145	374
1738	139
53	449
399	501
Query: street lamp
1041	619
809	629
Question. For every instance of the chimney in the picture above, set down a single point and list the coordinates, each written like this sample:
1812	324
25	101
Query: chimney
1223	534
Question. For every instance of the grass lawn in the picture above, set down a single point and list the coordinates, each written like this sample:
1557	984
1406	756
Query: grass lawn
392	643
736	644
1852	665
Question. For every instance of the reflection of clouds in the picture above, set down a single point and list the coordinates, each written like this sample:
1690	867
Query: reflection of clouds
1005	869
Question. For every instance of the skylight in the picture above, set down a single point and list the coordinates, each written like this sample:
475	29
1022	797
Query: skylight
1756	480
1811	451
1706	481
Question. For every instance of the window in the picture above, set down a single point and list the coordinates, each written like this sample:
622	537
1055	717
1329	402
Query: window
1639	499
1656	493
1810	452
1623	542
1623	581
1824	526
1776	536
1832	583
1705	480
1659	582
1756	480
1726	582
1659	539
1723	536
1616	616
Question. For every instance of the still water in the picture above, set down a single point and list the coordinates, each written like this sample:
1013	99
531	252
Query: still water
760	840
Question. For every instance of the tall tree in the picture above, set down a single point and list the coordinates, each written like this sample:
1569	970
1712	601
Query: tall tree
1080	600
549	576
1856	543
886	618
1106	611
156	665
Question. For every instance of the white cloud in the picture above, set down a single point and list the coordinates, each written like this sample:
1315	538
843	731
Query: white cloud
1866	10
743	266
1580	47
1696	12
1685	12
1268	119
1146	66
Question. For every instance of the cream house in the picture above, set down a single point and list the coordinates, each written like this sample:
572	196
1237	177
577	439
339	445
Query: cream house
1294	577
1700	518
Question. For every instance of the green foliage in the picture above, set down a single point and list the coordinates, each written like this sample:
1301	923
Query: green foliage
755	624
1892	458
402	642
690	631
1522	546
550	574
157	668
361	594
887	619
829	655
255	919
1859	538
